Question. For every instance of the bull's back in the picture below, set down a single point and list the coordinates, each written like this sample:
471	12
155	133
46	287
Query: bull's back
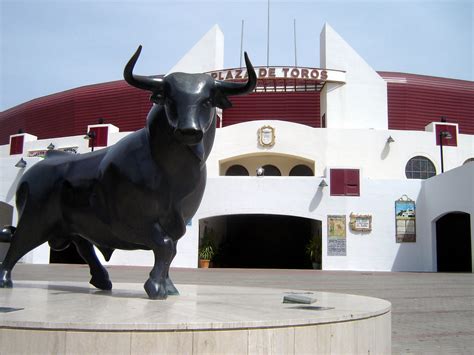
42	184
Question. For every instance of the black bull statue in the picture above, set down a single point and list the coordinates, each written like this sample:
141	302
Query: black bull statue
136	194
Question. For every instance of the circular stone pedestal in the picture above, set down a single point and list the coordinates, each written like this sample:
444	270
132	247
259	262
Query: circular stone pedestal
69	318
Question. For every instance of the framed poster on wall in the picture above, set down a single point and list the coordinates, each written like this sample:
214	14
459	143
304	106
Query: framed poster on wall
360	222
405	220
337	236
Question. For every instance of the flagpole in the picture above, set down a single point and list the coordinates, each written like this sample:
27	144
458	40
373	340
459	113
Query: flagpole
268	34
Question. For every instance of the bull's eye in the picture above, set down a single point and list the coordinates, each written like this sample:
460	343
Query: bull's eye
156	98
207	103
170	104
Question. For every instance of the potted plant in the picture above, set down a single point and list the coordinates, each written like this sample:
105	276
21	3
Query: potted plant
314	251
206	250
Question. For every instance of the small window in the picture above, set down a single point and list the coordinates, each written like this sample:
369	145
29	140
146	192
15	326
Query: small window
345	182
468	161
419	168
301	170
237	170
271	170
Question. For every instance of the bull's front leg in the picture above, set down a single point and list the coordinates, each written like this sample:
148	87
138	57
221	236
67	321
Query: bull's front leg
170	287
164	249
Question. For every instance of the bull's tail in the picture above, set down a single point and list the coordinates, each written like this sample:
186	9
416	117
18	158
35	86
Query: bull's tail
6	234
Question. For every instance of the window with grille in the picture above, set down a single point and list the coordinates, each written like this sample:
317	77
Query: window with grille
419	168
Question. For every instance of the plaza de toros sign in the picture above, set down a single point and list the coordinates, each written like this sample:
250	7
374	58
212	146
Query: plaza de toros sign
298	73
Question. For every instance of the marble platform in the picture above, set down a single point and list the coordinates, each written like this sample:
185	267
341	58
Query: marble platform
75	318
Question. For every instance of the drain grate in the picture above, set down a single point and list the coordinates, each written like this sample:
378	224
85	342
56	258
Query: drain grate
9	309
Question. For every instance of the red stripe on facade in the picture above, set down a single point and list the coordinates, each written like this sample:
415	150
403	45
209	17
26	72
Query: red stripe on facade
297	107
413	102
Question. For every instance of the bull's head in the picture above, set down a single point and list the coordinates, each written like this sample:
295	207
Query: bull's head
189	100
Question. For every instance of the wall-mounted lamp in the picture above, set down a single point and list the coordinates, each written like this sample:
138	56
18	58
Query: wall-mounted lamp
443	135
91	136
390	140
260	172
323	184
21	164
51	146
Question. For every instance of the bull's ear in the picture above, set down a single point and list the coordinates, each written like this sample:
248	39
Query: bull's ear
221	101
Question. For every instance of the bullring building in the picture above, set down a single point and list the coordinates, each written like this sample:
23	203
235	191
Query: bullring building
339	167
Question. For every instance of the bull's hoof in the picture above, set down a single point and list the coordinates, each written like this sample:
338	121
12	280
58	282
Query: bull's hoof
155	290
171	288
101	283
5	279
6	284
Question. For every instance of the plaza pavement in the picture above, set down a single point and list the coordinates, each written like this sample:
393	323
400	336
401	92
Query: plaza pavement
432	313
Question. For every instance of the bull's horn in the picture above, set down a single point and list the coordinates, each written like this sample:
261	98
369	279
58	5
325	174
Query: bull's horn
138	81
229	88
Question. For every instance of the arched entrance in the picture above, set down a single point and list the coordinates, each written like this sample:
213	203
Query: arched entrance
453	243
262	241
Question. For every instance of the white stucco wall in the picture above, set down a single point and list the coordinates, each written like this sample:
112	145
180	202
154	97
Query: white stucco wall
452	191
364	149
362	101
205	56
301	196
382	167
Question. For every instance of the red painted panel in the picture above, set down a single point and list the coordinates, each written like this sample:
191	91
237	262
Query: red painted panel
16	145
69	113
352	182
345	182
414	101
337	182
297	107
453	141
101	137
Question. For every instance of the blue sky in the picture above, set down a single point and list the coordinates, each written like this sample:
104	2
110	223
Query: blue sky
51	46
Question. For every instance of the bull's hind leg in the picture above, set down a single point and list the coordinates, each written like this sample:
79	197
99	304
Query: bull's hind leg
25	239
164	249
100	276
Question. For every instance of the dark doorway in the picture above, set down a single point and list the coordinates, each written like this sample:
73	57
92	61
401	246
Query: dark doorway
262	241
66	256
453	243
